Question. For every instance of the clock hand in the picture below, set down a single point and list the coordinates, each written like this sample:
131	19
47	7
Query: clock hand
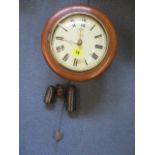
69	41
79	42
80	33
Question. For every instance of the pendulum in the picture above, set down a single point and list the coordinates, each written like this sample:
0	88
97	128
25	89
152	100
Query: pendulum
58	135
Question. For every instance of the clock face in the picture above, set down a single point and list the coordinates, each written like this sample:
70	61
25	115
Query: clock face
78	42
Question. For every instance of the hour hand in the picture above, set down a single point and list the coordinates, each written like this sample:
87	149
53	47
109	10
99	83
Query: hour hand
69	41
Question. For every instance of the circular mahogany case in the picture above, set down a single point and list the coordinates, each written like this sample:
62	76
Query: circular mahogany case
69	74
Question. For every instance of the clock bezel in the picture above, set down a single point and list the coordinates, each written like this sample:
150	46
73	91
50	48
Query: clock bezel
83	75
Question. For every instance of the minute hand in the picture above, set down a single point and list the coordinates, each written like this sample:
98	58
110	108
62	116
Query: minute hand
79	43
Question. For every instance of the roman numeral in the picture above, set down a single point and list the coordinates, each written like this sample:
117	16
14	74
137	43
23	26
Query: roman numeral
86	62
75	62
98	36
83	22
92	27
98	46
73	23
60	48
63	27
94	56
60	38
65	58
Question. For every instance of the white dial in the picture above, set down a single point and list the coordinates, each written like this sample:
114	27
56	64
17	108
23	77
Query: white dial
79	42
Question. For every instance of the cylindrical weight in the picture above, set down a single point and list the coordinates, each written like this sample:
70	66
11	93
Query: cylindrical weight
71	99
50	95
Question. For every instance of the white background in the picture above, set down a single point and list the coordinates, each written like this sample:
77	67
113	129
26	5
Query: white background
145	77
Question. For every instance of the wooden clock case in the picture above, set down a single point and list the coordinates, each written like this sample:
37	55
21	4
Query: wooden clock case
84	75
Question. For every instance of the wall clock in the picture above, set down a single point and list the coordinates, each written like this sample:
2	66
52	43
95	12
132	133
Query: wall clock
79	42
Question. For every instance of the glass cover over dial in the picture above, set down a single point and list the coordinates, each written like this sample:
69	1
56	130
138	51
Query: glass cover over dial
79	42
